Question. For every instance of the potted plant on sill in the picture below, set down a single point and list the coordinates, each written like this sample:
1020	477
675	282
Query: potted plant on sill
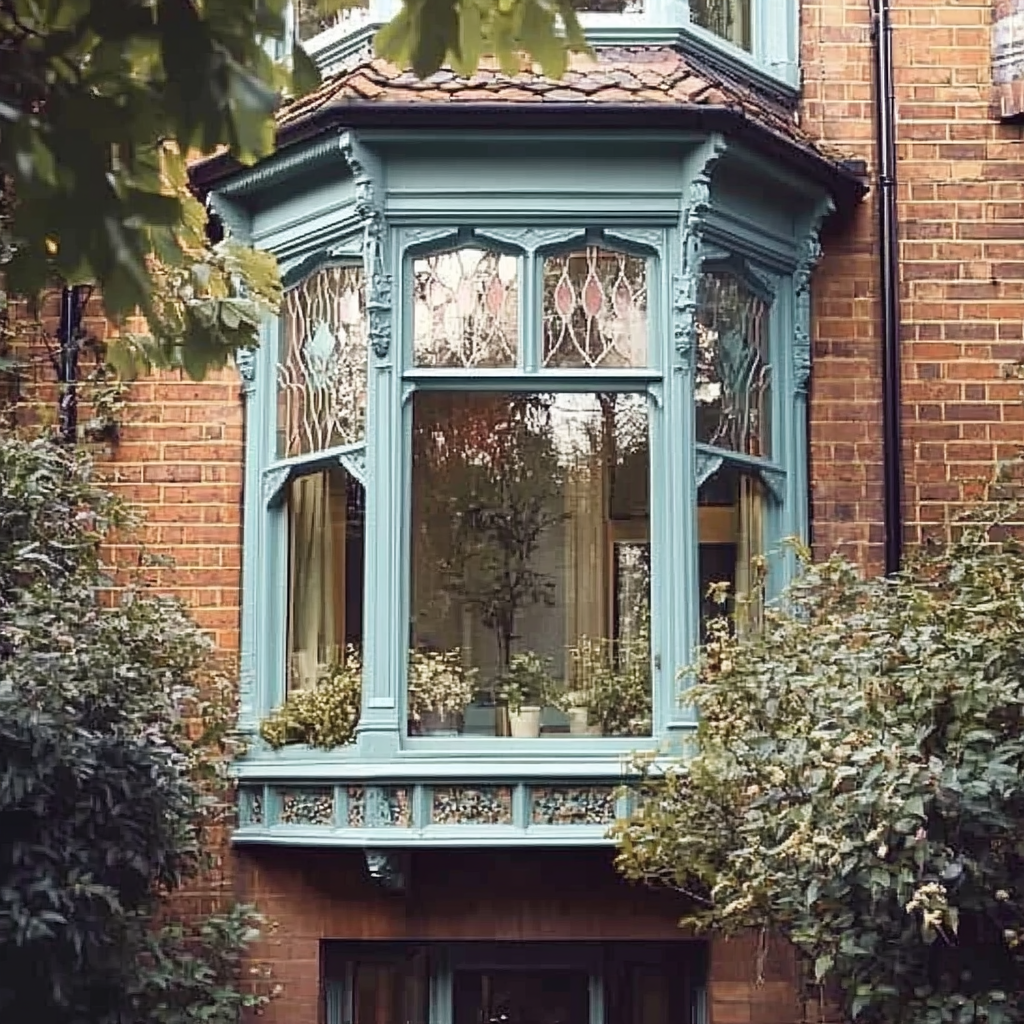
440	688
324	713
611	685
524	688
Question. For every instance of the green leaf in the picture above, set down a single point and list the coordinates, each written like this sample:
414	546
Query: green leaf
305	74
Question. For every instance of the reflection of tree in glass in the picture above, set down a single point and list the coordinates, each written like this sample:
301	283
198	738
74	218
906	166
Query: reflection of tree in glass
491	473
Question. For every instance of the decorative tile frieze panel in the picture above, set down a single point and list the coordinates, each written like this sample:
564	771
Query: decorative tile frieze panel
359	813
356	807
394	807
472	805
250	805
313	806
572	805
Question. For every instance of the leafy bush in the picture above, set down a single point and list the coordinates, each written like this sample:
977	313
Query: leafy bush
857	783
108	748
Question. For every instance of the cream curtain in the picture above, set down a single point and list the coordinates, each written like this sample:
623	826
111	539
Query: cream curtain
750	545
586	549
314	519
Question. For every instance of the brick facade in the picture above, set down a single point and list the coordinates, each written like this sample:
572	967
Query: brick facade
961	208
961	205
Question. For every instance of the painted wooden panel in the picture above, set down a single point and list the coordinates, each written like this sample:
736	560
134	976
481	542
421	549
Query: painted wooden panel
479	895
629	177
311	210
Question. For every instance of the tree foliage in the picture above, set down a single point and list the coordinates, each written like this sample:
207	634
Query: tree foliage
111	771
857	783
427	34
100	103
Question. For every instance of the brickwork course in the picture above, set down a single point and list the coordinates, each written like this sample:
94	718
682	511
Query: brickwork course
961	211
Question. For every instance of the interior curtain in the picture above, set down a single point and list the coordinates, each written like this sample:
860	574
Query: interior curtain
313	618
586	563
750	542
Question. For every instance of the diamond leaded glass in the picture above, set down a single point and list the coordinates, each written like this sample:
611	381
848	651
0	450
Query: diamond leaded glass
595	310
321	373
733	385
466	309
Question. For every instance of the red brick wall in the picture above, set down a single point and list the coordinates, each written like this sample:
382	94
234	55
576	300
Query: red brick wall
961	203
961	207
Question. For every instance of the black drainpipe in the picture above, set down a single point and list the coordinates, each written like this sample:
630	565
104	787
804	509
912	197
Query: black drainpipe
72	306
889	273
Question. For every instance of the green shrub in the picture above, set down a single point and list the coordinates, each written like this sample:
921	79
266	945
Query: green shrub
858	783
112	768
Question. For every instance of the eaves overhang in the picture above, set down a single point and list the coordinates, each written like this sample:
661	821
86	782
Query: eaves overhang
845	181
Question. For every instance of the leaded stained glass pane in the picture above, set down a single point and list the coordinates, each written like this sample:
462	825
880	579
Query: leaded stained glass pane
733	385
466	309
595	310
321	375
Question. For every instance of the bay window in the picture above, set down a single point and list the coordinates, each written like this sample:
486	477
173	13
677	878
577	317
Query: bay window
525	548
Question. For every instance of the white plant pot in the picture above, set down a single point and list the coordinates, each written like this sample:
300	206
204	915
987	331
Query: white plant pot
524	724
578	722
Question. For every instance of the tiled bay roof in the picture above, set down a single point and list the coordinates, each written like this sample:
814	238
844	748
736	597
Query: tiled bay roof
634	87
644	76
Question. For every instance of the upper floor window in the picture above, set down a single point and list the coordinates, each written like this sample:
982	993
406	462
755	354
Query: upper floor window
759	35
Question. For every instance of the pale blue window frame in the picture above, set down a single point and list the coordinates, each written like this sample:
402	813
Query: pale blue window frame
529	375
275	474
674	468
773	57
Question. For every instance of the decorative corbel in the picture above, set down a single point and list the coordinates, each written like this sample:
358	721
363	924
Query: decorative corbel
245	360
809	254
233	218
692	228
369	208
389	868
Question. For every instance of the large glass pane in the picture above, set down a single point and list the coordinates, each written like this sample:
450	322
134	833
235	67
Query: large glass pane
730	19
321	374
530	564
521	997
595	309
326	513
733	384
466	309
731	515
390	992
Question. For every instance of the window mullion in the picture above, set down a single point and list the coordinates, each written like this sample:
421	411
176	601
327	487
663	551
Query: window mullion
531	312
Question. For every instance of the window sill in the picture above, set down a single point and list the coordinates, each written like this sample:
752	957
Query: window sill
456	759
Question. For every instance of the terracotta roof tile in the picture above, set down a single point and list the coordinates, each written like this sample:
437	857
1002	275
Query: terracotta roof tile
612	75
641	75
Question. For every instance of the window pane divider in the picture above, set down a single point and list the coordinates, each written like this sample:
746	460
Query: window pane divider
545	380
710	459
